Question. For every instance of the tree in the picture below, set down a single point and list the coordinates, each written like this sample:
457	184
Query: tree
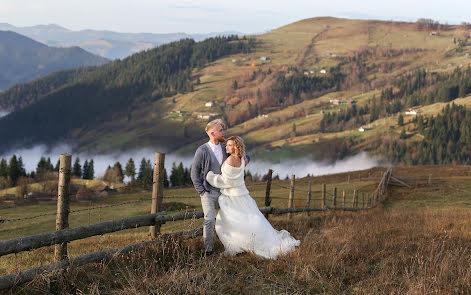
400	120
91	170
77	168
3	168
144	176
118	170
166	182
58	165
403	133
14	171
235	85
85	170
130	170
344	150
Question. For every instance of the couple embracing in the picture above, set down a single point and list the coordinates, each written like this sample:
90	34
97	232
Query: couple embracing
229	211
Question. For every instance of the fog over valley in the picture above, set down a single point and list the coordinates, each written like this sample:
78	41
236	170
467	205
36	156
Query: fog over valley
298	167
3	113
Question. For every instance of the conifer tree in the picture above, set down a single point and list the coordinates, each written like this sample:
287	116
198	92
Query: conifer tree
400	120
77	168
58	165
91	170
14	171
3	168
85	170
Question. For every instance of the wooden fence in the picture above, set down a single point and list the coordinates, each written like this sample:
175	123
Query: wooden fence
63	234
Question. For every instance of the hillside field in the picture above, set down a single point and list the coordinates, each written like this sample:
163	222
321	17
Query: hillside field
416	242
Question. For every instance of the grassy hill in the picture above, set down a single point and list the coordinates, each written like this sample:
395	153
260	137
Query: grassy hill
371	56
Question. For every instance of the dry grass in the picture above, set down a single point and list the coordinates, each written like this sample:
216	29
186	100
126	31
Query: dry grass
377	252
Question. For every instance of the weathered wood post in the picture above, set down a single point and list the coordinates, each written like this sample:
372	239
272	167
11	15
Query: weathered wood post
267	192
323	195
335	198
291	196
369	200
63	204
348	179
355	199
157	191
344	196
309	196
362	200
430	179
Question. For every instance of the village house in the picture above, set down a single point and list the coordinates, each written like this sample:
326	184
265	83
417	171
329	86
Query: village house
411	112
264	58
336	101
209	104
323	71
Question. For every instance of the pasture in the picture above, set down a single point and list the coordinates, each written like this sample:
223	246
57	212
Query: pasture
416	243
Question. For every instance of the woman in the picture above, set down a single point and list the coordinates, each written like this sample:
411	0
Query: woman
240	225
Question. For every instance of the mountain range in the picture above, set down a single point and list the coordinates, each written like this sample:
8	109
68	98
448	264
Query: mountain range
321	88
108	44
22	59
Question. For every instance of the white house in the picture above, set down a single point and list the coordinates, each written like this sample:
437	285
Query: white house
411	112
323	71
263	58
209	104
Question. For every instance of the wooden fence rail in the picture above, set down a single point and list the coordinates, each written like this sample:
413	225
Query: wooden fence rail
154	220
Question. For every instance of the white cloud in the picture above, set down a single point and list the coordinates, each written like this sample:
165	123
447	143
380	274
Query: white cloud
211	15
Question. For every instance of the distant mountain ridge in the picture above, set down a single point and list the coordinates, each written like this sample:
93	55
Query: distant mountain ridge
23	59
105	43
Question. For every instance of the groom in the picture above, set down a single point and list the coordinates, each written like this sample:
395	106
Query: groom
209	157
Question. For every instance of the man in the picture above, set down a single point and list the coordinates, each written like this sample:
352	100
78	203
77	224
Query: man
209	157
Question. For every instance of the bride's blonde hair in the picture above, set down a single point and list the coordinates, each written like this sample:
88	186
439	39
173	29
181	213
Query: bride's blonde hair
239	145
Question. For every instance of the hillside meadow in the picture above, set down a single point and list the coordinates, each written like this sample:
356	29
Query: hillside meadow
416	242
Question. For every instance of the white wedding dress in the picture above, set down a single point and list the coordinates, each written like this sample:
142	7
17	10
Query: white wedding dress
240	225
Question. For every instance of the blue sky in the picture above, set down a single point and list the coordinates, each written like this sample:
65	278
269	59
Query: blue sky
170	16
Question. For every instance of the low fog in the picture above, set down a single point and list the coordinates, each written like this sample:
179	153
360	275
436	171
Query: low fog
3	113
298	167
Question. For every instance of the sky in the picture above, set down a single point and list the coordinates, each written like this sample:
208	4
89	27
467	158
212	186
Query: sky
205	16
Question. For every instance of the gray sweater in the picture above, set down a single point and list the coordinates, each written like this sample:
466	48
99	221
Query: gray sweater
203	162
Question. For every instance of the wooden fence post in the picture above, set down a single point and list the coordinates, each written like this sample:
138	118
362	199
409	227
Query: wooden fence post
157	191
369	200
291	196
355	199
335	198
63	209
344	196
430	179
309	196
267	192
323	195
348	179
362	200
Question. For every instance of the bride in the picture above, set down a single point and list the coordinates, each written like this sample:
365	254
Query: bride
240	225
